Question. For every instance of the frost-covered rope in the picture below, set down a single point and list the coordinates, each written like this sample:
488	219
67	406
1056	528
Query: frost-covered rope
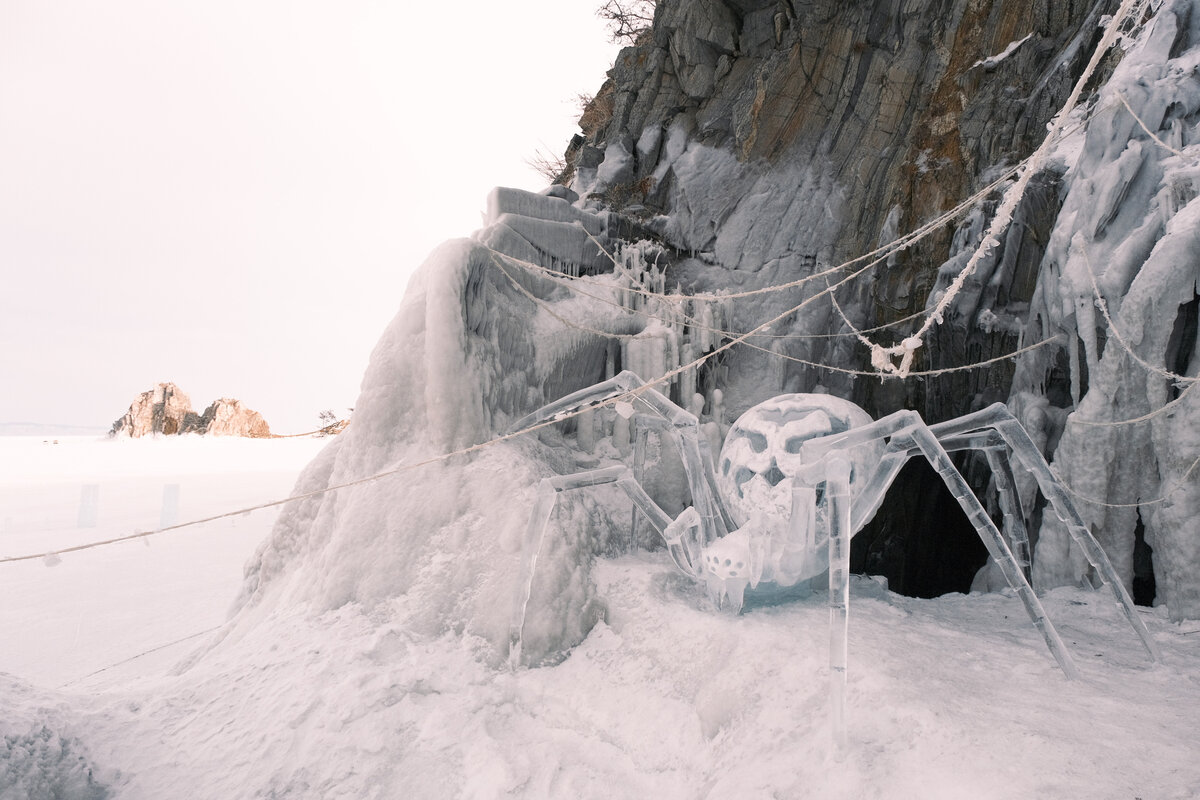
882	358
1150	133
852	330
1097	423
546	306
573	285
1175	487
925	373
883	252
1102	304
828	367
625	397
51	554
325	430
139	655
743	340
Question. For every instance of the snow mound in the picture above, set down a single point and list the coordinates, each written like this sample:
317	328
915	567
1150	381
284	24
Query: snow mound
41	764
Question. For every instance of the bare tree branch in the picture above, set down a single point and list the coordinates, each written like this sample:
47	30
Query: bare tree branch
627	19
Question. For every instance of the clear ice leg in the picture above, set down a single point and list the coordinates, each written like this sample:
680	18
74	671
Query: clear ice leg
924	438
539	521
1025	451
680	423
837	499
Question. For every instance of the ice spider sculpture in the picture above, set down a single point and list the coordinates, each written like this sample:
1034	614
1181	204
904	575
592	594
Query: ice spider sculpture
797	476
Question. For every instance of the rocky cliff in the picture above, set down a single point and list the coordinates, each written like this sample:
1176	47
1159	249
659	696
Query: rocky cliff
229	417
166	410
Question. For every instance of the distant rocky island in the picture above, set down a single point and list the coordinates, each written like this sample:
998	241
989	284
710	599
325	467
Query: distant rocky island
166	410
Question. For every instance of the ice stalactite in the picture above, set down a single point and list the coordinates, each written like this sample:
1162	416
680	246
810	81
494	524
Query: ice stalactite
678	330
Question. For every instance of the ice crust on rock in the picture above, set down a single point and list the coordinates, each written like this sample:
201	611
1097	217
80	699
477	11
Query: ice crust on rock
40	754
1129	232
468	352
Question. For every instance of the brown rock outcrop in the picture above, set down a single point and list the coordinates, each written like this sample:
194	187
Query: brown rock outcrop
229	417
166	410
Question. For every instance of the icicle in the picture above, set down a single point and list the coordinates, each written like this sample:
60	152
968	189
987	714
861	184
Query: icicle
620	434
1076	377
585	432
1085	317
687	379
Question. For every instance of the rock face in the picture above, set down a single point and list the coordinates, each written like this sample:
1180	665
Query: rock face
774	136
229	417
166	410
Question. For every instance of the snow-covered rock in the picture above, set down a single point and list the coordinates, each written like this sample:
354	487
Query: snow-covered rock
1120	287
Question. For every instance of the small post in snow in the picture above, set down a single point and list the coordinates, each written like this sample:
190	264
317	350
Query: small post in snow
89	505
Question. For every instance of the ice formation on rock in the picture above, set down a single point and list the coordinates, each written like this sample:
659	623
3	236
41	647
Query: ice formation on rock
1120	284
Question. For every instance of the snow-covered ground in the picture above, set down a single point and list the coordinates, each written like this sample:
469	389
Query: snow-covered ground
955	697
100	606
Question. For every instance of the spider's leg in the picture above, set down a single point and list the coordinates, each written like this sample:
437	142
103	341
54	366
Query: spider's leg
995	449
615	387
998	417
870	490
682	425
925	439
837	502
844	516
1010	507
682	547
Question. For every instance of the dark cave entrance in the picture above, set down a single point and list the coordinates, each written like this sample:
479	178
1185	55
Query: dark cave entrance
920	540
1144	588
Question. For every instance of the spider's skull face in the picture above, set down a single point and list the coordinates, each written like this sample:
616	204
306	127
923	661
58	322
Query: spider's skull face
762	450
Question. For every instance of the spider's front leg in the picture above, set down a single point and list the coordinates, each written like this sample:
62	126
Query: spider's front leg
627	388
705	522
908	435
997	420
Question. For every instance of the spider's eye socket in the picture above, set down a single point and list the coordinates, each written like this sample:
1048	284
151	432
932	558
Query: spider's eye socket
758	442
793	445
741	476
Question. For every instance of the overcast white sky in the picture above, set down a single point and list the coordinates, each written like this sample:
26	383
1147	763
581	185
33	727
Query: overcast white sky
231	194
